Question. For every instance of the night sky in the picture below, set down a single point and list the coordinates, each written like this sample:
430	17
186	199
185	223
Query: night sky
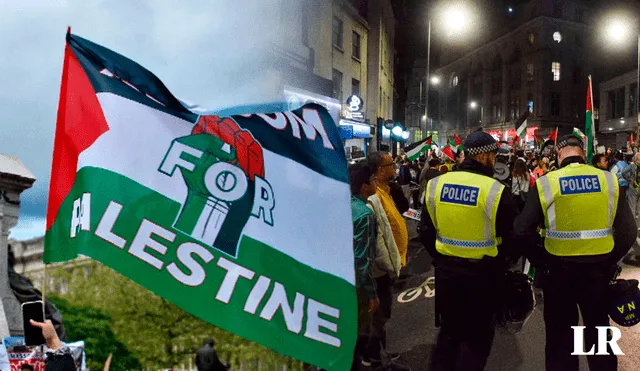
493	19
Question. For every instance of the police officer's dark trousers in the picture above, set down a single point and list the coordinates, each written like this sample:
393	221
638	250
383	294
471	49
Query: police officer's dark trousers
465	303
566	289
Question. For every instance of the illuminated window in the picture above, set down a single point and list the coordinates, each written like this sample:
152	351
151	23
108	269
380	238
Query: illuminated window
454	81
557	37
555	68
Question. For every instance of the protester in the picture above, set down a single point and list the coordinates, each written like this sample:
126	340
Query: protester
532	164
448	162
404	178
385	270
207	358
520	180
601	162
618	168
459	159
542	168
631	174
398	196
365	240
58	358
392	237
382	166
428	174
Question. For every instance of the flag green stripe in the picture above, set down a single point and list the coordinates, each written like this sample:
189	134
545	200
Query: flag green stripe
522	130
589	133
138	203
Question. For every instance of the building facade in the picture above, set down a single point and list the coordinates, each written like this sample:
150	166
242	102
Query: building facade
339	37
540	66
381	66
351	43
618	117
414	109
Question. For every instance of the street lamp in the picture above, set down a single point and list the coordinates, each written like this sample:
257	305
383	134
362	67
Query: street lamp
456	17
616	30
473	105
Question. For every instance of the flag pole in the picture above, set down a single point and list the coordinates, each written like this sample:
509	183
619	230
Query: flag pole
44	285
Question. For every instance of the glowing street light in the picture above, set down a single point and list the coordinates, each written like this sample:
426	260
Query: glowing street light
617	28
616	31
473	105
456	18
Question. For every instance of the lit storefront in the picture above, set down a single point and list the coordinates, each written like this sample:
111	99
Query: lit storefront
509	134
354	131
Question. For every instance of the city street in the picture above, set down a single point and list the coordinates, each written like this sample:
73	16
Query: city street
412	332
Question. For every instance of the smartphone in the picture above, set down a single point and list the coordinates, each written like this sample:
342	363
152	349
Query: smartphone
33	310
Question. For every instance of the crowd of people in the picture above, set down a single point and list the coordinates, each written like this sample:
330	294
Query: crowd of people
517	185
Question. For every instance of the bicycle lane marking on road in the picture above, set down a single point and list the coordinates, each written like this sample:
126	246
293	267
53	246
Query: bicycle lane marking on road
409	295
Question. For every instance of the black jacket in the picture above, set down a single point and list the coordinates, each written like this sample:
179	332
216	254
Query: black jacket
402	204
504	219
59	362
207	359
404	177
526	224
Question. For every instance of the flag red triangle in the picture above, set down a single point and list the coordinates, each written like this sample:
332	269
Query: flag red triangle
80	113
428	141
448	152
457	139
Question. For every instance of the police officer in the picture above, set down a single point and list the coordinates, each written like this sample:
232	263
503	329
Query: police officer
466	226
588	228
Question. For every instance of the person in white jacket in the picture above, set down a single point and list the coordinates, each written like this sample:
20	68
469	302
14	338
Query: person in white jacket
385	270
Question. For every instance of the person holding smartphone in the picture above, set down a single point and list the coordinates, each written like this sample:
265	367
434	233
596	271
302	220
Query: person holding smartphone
58	357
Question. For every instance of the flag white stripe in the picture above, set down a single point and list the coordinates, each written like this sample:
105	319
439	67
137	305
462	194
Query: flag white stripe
522	128
416	150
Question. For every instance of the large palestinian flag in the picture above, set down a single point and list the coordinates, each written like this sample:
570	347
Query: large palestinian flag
243	221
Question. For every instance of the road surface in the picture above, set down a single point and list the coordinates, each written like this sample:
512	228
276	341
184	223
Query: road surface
411	330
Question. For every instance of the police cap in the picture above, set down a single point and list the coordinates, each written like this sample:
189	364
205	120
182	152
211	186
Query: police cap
479	142
569	140
624	302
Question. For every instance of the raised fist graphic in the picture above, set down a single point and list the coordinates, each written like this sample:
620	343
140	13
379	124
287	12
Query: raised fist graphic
220	164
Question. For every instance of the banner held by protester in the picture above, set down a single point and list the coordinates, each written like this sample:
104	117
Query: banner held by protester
224	216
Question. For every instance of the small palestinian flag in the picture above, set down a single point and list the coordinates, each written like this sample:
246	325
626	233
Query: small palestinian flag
416	149
553	136
448	151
